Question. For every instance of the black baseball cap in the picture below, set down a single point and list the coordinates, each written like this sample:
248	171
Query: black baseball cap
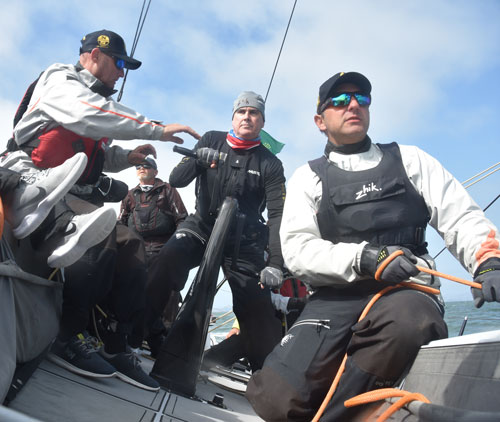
110	43
328	87
152	163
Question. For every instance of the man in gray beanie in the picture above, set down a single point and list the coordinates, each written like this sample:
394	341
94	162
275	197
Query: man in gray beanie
250	99
235	164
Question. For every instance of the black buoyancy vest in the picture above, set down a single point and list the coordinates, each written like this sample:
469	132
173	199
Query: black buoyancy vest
147	218
378	205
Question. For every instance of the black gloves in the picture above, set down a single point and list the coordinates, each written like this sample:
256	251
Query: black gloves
488	274
205	156
382	263
271	277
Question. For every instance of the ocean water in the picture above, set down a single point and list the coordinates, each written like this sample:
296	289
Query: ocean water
485	318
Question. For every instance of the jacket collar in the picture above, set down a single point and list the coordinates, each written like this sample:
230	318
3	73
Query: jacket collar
158	183
94	84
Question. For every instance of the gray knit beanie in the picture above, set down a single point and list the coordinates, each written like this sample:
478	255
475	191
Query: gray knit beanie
250	99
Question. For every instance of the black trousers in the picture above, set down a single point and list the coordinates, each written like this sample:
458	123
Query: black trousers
225	353
113	275
298	373
126	300
251	304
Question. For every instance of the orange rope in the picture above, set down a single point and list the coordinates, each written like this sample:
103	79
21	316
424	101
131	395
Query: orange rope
397	253
384	393
332	389
340	371
400	403
377	296
450	277
373	396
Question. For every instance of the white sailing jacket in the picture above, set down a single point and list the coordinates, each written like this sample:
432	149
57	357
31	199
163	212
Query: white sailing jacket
63	97
467	233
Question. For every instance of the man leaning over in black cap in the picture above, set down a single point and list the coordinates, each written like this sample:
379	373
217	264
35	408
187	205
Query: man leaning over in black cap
67	110
353	224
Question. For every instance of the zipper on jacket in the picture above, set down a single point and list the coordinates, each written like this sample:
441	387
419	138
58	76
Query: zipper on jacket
317	323
200	238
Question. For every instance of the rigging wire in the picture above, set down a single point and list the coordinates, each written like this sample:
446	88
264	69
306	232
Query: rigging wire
138	31
480	173
279	54
478	179
484	177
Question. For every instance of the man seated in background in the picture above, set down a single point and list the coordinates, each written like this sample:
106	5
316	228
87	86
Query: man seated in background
154	209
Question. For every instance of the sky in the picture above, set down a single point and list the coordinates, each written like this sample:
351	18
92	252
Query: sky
434	67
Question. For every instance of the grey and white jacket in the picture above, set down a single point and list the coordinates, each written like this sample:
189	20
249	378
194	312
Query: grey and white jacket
63	96
467	233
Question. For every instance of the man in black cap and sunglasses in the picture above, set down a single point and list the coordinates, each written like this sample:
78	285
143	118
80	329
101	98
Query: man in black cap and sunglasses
69	109
154	209
354	224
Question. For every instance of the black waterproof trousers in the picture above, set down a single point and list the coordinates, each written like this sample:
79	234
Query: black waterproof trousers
296	376
252	305
113	275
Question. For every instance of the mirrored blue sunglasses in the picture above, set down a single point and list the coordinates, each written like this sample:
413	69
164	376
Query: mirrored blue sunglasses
119	63
344	99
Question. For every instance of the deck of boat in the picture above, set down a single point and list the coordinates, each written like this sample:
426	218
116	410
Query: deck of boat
55	394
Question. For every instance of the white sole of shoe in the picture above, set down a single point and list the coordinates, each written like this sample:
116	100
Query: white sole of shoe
135	383
86	237
31	222
68	366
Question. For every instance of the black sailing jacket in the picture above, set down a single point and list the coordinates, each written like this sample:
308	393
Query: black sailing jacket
254	177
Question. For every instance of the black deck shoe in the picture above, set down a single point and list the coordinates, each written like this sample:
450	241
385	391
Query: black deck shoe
128	369
79	355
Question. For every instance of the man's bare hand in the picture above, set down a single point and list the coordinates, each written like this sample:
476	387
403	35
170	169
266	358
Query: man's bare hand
138	155
170	130
233	332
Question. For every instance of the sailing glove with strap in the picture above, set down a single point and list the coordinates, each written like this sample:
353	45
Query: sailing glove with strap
390	264
205	156
488	274
271	277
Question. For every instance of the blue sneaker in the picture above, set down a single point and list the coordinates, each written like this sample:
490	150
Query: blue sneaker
128	368
79	355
